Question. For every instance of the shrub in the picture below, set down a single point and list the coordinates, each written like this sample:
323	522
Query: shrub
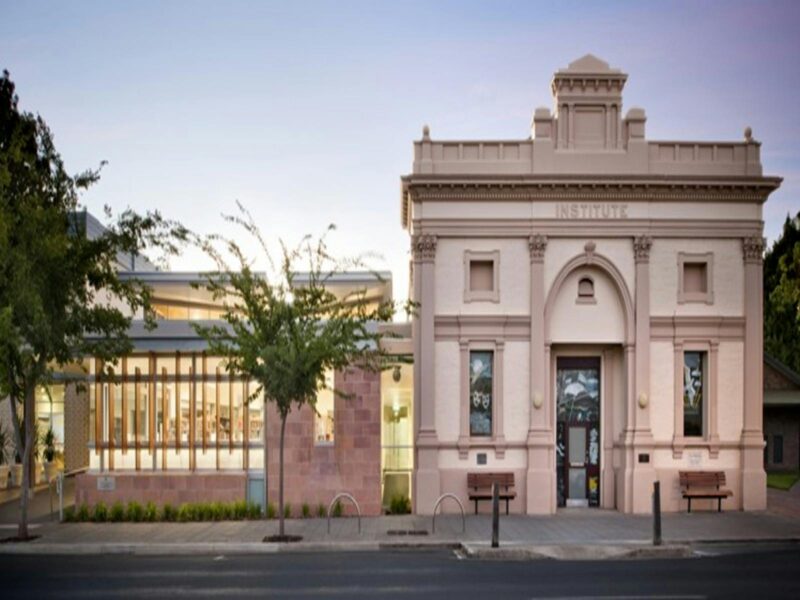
208	511
100	514
227	511
168	512
83	513
321	511
306	510
135	512
117	513
287	511
254	511
272	510
239	510
70	514
150	512
337	509
400	505
186	513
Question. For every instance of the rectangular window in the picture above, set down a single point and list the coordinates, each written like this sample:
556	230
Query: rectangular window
777	449
481	276
695	277
324	421
694	393
480	392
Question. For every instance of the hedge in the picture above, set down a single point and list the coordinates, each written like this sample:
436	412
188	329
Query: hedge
134	512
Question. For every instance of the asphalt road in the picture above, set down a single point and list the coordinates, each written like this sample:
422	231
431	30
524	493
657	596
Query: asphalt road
439	574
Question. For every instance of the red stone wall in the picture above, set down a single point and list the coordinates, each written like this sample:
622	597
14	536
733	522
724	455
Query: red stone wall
314	474
161	488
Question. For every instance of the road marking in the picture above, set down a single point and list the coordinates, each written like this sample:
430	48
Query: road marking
636	597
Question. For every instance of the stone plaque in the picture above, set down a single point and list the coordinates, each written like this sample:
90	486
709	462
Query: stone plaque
695	459
106	483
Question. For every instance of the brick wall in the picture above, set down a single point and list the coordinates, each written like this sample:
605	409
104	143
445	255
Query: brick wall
313	473
783	421
773	380
175	488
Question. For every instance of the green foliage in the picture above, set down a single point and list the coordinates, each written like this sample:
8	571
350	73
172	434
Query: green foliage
169	512
117	513
150	512
783	480
49	443
6	445
272	511
135	512
782	296
321	510
400	505
239	510
253	511
284	330
187	513
70	514
338	509
53	276
306	510
287	511
83	514
100	514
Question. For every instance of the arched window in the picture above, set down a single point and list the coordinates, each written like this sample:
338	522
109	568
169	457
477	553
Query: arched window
585	290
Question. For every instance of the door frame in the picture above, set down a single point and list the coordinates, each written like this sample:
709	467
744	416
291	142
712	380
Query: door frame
575	358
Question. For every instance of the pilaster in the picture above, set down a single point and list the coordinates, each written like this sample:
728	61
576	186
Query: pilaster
540	477
754	491
427	481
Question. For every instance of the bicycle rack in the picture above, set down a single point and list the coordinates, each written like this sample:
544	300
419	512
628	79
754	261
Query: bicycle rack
460	506
353	500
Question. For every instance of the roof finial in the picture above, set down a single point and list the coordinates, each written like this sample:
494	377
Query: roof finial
426	133
748	134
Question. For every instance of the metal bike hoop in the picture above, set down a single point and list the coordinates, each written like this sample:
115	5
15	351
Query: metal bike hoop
353	500
460	506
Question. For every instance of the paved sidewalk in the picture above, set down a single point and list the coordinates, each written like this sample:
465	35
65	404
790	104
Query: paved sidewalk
568	527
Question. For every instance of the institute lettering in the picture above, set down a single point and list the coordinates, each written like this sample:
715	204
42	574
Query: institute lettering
591	210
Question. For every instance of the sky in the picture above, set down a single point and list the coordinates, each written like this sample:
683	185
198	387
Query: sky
305	112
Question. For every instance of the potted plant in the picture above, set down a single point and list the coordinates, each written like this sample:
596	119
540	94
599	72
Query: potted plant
5	447
51	466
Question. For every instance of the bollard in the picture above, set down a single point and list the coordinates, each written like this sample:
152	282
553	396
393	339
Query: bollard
656	513
495	515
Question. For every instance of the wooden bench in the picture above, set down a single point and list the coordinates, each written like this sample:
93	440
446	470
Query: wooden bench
480	487
704	484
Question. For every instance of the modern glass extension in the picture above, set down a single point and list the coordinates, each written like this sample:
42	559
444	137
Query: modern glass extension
172	411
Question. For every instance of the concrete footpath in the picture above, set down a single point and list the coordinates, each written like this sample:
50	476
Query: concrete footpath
572	533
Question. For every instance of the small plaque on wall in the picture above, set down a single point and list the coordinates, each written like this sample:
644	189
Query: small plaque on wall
644	458
481	458
106	483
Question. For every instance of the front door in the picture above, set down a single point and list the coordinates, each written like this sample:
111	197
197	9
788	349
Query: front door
578	431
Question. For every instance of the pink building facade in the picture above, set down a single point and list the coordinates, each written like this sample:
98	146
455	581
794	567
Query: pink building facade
590	307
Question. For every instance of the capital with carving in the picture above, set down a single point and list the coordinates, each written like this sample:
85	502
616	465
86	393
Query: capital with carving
641	248
537	244
753	249
423	247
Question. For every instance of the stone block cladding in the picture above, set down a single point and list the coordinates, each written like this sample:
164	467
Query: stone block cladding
314	473
162	488
76	427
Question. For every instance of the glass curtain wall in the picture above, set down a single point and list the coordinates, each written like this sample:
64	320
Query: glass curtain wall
397	432
171	412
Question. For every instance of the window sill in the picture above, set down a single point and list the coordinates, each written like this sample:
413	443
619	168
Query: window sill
711	443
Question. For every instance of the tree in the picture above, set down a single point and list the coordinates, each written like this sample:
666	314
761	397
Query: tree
782	296
284	333
57	285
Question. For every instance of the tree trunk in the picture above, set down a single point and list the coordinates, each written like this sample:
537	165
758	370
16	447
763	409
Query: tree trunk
280	482
27	458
